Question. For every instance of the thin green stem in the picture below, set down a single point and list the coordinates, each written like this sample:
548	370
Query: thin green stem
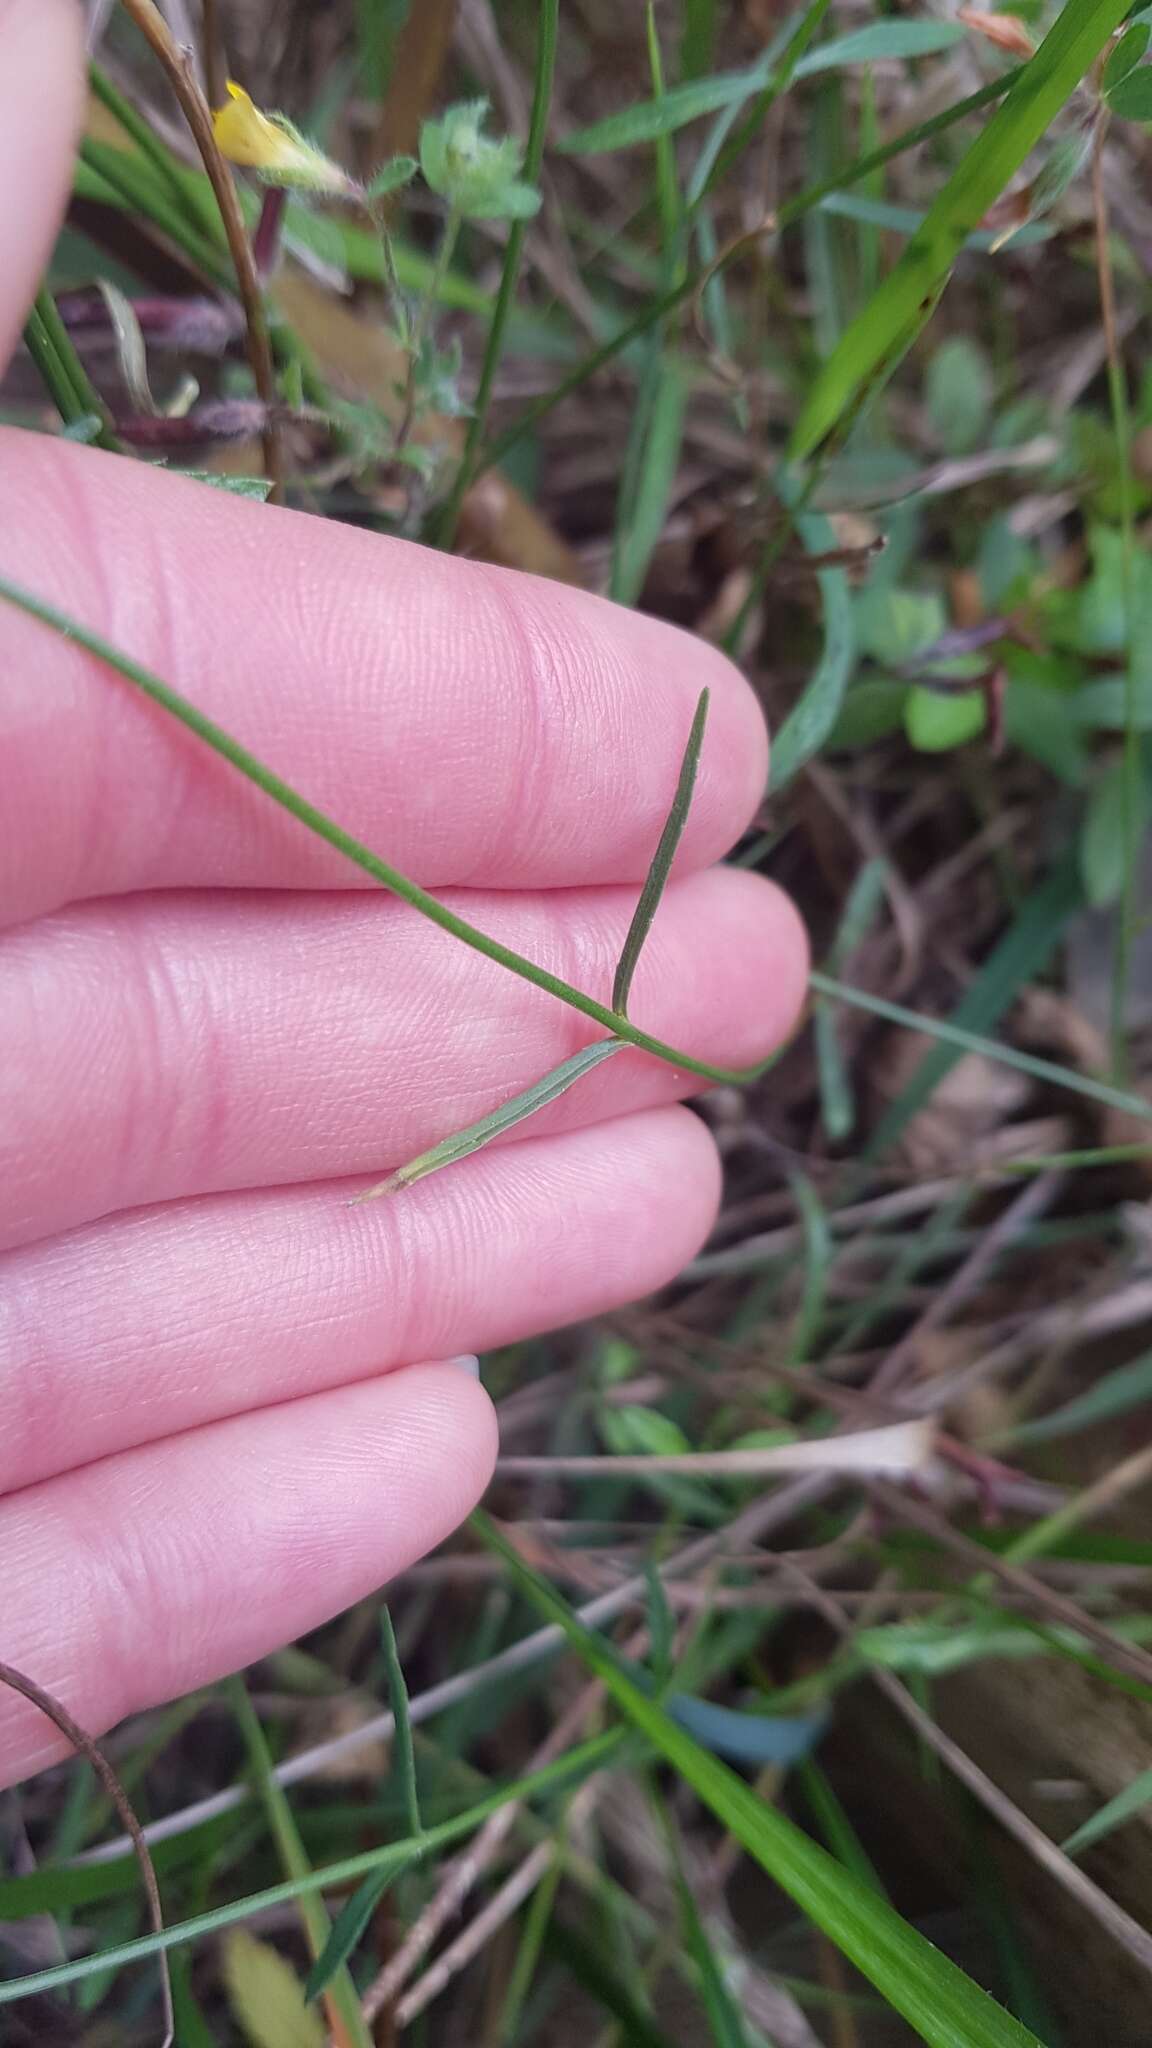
971	1041
361	856
509	275
52	350
117	169
184	192
1128	920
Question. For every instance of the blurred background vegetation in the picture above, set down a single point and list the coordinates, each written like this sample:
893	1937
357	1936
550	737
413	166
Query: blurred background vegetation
838	1731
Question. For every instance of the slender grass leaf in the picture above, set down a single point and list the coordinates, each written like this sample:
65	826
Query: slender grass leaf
818	1251
488	1128
403	1748
349	1926
659	427
341	1999
724	2016
885	329
1112	1815
1130	1386
646	120
904	220
955	1041
592	1972
1020	954
864	898
657	876
812	719
882	40
835	1825
944	2006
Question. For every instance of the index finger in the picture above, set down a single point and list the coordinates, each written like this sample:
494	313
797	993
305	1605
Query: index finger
473	725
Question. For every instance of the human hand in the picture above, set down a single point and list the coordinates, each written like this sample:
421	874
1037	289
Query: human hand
218	1423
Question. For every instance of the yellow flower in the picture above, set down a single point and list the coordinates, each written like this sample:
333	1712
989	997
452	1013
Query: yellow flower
269	144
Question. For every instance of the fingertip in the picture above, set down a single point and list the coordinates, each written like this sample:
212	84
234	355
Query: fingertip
41	110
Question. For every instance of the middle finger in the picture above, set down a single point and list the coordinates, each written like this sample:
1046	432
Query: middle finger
168	1045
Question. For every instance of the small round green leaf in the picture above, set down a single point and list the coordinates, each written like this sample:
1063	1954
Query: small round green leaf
936	723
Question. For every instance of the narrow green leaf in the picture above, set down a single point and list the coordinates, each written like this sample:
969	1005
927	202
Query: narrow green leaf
658	427
944	2006
837	1105
724	2016
488	1128
954	1041
817	1265
1023	951
1107	830
1112	1815
648	119
657	309
662	859
343	2002
403	1748
813	717
587	1964
349	1926
880	40
1130	1386
889	323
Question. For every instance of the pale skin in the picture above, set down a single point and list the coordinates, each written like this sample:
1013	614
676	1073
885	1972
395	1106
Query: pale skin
226	1410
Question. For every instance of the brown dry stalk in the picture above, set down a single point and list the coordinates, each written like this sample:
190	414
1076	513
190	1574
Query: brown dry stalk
72	1732
177	66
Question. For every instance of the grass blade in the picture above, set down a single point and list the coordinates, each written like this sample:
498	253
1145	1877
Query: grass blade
1112	1815
1128	1387
648	476
1021	954
810	721
944	2006
649	120
837	1105
344	2015
488	1128
890	322
403	1748
960	1041
724	2016
665	854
